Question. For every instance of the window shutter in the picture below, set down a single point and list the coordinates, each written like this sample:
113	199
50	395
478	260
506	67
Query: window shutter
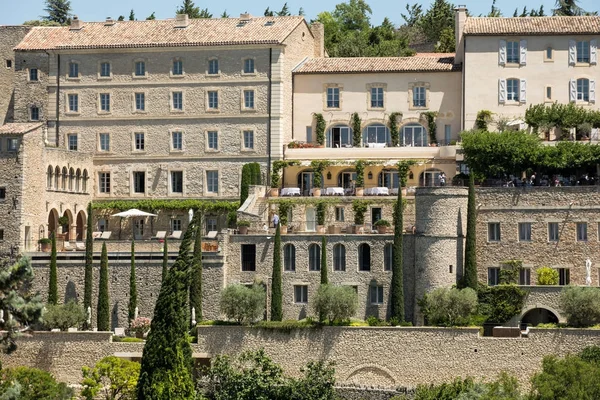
593	51
572	52
592	91
502	91
573	91
502	53
523	57
523	97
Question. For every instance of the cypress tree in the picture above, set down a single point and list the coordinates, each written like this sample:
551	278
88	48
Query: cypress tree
470	270
166	370
245	184
324	278
89	262
276	284
196	283
103	311
165	265
132	286
53	280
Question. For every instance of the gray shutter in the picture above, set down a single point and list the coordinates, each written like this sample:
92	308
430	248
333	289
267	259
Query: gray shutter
572	52
502	91
502	53
523	96
593	51
592	91
523	49
573	91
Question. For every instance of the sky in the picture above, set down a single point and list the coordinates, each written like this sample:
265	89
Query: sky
88	10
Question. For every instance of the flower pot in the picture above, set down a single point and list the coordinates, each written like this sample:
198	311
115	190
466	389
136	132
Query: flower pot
321	229
243	230
360	191
316	192
46	247
382	230
404	191
274	192
283	229
334	230
139	334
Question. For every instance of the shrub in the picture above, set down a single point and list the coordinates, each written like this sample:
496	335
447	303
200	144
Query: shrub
243	223
449	307
64	316
140	325
382	222
32	383
547	276
45	241
581	305
591	354
111	378
359	208
567	378
500	303
336	303
374	321
243	304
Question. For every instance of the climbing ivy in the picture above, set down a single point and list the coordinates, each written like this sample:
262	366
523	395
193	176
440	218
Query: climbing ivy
217	206
320	128
430	117
356	130
393	124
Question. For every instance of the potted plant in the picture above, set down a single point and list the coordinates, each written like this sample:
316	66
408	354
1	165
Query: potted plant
62	223
284	211
360	177
318	167
359	207
45	244
321	210
283	221
140	326
243	226
382	226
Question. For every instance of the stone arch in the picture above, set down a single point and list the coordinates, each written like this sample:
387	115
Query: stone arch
413	134
369	374
430	177
84	182
63	184
56	178
537	314
67	232
364	257
52	221
345	177
338	134
78	180
80	226
376	132
71	178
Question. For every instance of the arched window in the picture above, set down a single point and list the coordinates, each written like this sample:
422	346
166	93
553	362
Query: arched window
71	179
364	257
314	257
583	89
388	257
84	182
77	180
388	179
64	178
339	136
345	178
414	135
289	257
376	135
56	178
49	177
339	257
430	177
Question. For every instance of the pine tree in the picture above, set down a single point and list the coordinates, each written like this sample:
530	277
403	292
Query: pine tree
568	8
53	279
225	15
103	309
131	15
285	11
301	12
269	13
276	284
121	18
166	370
188	7
58	11
165	264
88	280
196	282
152	17
324	278
132	286
470	270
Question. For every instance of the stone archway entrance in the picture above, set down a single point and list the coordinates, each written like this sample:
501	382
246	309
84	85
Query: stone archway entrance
66	226
52	222
539	315
80	228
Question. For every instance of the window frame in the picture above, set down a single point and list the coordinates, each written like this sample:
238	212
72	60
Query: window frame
388	259
300	294
583	95
249	62
333	99
551	229
211	181
496	238
104	103
73	66
493	276
564	276
101	70
72	142
376	295
289	258
512	47
139	63
34	116
314	257
139	99
72	103
524	231
418	91
12	144
583	46
102	143
212	102
248	140
208	67
362	256
513	97
177	70
244	263
139	140
377	99
104	182
525	276
176	140
339	257
179	181
581	228
212	140
33	75
340	214
248	100
135	181
177	102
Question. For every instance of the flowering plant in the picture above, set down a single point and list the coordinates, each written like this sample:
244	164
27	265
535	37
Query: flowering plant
140	325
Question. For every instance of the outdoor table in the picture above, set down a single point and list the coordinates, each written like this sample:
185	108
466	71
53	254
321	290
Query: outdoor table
334	191
394	191
290	192
379	191
376	145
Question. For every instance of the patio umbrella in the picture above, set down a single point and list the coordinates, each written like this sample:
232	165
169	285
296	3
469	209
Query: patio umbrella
134	212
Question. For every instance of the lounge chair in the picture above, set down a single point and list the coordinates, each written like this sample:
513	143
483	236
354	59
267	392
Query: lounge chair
96	235
79	246
67	246
175	235
160	235
105	235
212	235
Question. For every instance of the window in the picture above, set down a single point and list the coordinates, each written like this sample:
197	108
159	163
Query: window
553	234
139	182
388	257
582	232
139	142
211	224
177	140
493	232
314	257
339	257
140	102
549	93
525	232
35	113
1	234
104	139
289	257
564	276
525	276
248	257
512	89
300	294
213	67
249	140
73	70
376	295
105	70
333	97
176	181
583	89
102	224
105	102
178	101
364	257
104	182
140	68
549	54
213	100
249	66
8	63
33	74
249	99
419	96
212	138
2	193
12	144
512	52
176	225
493	276
377	134
177	67
72	142
73	102
583	51
377	97
414	135
212	179
339	214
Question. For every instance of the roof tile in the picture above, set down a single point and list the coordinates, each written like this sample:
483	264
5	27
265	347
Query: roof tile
429	62
532	25
18	128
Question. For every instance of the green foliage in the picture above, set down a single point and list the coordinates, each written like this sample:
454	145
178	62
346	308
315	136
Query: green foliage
382	222
245	184
151	17
132	305
52	280
196	279
509	273
287	326
131	15
483	119
59	11
359	207
449	307
320	128
403	170
445	391
581	305
284	209
359	166
437	19
112	378
470	271
564	116
103	308
500	303
447	42
567	378
243	304
397	285
321	212
165	263
395	118
204	206
127	339
335	303
356	132
568	8
324	277
276	281
547	276
88	280
64	316
318	166
188	7
591	354
277	167
32	384
430	118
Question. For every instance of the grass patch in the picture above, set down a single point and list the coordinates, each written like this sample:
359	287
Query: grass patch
127	339
287	325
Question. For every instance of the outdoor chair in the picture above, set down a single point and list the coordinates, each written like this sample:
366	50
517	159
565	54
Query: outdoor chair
160	235
212	235
79	246
105	235
67	247
175	235
96	235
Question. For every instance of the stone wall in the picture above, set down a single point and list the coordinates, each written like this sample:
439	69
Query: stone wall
11	36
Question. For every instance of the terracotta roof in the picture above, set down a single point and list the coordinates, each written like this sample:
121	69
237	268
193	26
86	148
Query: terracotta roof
19	128
532	25
161	33
420	63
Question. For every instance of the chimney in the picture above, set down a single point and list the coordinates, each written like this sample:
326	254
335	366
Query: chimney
460	18
76	24
182	21
318	31
109	21
245	17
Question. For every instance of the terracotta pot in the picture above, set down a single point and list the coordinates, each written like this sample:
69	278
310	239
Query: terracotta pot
243	230
321	229
274	192
382	230
316	192
334	230
360	191
46	247
283	229
139	334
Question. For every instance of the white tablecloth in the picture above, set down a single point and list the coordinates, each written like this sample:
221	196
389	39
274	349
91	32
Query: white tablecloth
290	192
377	191
376	145
394	191
334	191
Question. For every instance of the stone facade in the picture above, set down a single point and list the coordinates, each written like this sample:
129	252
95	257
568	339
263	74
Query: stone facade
11	36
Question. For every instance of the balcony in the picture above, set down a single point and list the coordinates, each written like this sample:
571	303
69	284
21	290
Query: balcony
371	153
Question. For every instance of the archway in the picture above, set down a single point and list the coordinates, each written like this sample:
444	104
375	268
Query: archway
80	228
305	181
539	315
339	135
430	177
414	135
376	135
345	178
66	223
52	221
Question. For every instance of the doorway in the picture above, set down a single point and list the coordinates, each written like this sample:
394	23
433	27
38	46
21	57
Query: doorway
311	223
138	229
375	214
305	180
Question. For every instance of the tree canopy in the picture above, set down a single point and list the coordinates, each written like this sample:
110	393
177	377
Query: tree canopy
188	7
59	11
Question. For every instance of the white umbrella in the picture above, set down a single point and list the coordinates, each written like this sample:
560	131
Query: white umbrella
134	212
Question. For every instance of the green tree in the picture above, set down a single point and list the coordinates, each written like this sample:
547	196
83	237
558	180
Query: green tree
52	280
285	11
103	309
269	13
567	378
568	8
165	263
64	316
88	280
131	15
335	303
32	383
242	304
439	17
276	284
469	278
301	12
547	276
196	281
59	11
413	15
581	305
152	17
132	287
245	184
324	278
447	42
225	15
112	378
188	7
449	307
166	368
121	18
